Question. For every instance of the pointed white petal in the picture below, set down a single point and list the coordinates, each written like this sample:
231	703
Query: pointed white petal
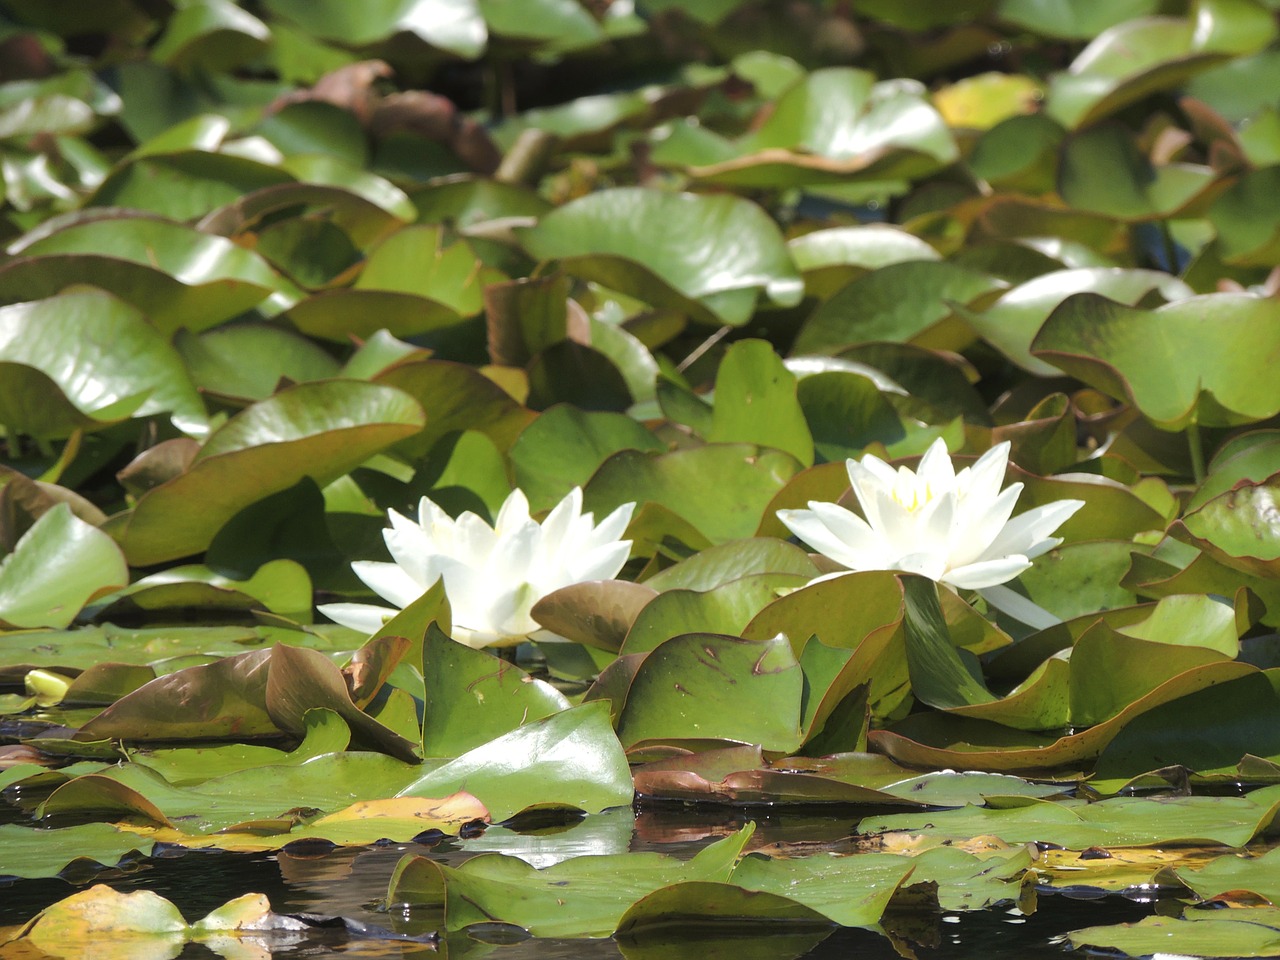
987	573
363	617
390	582
978	525
559	523
602	563
1019	607
612	526
514	511
936	471
855	535
1027	532
811	527
982	481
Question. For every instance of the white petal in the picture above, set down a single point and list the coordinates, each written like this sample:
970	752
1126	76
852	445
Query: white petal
1027	532
811	526
612	526
977	525
859	543
362	617
390	582
559	523
474	540
413	551
987	573
1019	607
430	514
873	481
514	511
982	481
931	565
602	563
936	470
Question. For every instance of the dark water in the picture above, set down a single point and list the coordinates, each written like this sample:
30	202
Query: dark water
351	882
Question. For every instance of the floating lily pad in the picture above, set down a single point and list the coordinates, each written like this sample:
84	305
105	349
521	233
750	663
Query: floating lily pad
683	267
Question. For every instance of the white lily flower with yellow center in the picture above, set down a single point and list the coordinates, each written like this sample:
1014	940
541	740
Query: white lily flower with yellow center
493	575
954	528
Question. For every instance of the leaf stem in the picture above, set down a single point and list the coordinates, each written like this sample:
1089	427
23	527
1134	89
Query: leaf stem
1196	446
1170	248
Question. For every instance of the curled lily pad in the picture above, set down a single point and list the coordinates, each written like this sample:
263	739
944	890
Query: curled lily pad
710	256
320	430
456	27
177	276
55	568
1011	323
838	123
1176	363
96	359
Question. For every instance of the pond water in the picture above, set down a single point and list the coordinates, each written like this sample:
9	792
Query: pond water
351	882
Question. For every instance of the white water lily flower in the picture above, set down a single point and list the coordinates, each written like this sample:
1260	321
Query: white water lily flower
954	528
492	575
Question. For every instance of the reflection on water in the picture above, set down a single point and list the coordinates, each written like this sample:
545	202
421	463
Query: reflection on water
350	883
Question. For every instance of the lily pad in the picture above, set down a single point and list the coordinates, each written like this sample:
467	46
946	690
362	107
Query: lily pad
320	430
1129	353
604	237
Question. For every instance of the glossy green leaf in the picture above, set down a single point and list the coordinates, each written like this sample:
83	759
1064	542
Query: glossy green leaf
175	275
708	686
1173	362
836	123
564	446
586	896
1253	932
756	402
472	697
1125	63
319	430
710	256
570	759
900	302
725	609
458	28
57	566
1011	323
249	361
1238	528
747	479
105	360
1103	171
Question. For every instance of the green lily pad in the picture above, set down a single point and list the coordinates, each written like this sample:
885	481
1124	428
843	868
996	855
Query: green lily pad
458	28
1238	528
320	430
1011	323
1173	363
1125	63
585	896
569	759
671	250
901	302
248	362
747	479
472	697
1252	932
756	402
101	361
707	686
1103	171
725	609
58	566
834	124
